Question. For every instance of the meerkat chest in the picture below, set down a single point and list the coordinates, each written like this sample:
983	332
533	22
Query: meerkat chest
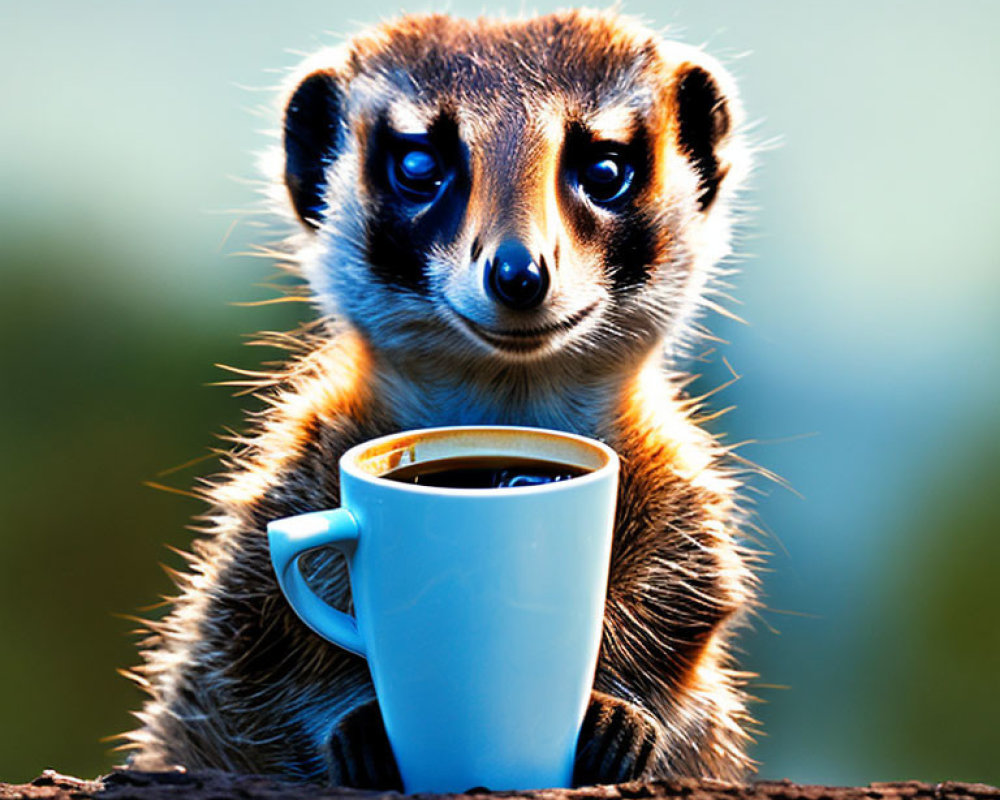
521	401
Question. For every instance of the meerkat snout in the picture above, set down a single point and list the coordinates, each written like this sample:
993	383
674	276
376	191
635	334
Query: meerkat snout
515	277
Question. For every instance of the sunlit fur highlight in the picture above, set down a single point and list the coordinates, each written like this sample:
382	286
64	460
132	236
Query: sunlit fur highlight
235	680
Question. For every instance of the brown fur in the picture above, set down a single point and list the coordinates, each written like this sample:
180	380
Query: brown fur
236	680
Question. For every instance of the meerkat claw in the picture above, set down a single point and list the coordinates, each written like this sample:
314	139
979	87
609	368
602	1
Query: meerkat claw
616	743
359	752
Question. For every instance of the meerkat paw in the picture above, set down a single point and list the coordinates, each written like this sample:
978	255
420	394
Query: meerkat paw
616	744
359	754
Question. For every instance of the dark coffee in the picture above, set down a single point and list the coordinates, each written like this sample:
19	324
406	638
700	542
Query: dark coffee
485	472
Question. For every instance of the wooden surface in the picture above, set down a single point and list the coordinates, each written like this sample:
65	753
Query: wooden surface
124	785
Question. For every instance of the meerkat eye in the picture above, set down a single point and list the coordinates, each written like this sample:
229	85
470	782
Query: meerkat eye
416	175
606	177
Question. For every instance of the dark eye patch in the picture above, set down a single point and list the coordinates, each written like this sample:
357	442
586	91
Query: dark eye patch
632	250
606	173
420	188
612	175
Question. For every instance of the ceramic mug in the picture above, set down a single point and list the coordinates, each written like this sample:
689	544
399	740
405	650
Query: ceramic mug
479	611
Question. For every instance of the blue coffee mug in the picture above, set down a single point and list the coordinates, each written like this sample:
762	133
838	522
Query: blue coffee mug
479	611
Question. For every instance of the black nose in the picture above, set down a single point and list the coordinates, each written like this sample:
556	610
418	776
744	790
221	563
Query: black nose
514	278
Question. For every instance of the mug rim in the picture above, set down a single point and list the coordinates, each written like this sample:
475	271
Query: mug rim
393	448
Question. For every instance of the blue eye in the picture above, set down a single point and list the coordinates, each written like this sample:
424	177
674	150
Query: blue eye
418	165
416	175
606	177
604	172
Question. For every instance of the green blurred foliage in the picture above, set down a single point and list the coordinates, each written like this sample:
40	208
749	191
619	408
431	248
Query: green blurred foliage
933	650
102	395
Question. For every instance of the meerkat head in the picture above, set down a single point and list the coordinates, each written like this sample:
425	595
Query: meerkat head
529	193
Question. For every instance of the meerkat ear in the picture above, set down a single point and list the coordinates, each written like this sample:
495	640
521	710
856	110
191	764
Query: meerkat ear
705	116
312	137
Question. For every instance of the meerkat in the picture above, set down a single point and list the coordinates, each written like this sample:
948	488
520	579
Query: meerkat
501	222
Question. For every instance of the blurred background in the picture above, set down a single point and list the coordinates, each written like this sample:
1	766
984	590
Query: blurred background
128	142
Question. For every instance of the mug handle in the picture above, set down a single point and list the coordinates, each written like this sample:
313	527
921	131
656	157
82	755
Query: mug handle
290	539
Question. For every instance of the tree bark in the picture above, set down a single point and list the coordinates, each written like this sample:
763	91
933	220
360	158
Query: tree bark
129	785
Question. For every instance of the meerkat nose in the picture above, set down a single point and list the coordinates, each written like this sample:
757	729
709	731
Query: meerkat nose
515	278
